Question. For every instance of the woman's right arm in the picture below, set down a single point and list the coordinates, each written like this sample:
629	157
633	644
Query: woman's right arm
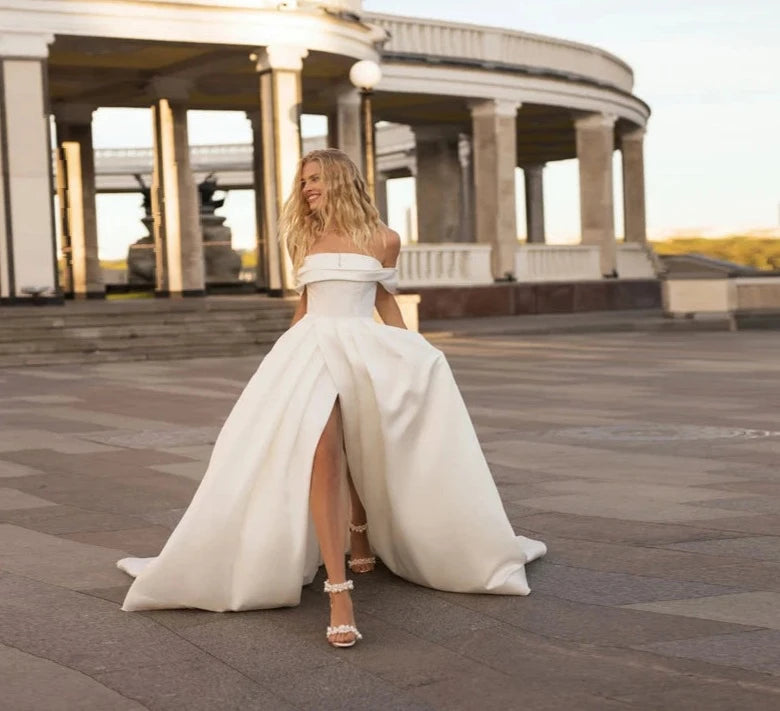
300	309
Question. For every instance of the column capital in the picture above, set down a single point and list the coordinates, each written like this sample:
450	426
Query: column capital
25	45
73	114
533	167
171	88
279	56
636	134
595	121
494	107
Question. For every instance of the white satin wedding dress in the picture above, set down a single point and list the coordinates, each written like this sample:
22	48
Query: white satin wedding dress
435	517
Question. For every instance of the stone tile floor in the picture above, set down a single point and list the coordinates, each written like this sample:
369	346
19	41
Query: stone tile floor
648	462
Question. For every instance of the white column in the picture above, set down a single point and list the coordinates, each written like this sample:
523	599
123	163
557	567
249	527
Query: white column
347	129
595	145
633	161
466	232
28	260
437	184
534	203
82	276
280	69
495	159
261	238
177	233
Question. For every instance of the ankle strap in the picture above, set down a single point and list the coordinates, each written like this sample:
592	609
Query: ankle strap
358	528
338	587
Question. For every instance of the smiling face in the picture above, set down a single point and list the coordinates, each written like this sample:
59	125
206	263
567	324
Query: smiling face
313	186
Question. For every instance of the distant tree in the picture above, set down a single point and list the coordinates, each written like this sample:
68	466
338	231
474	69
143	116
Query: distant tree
758	252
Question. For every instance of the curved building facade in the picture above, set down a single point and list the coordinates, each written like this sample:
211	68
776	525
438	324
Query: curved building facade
480	102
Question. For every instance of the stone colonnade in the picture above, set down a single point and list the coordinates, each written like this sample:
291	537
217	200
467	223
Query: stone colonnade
465	185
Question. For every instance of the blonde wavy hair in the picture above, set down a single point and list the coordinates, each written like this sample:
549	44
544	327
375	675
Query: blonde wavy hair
345	207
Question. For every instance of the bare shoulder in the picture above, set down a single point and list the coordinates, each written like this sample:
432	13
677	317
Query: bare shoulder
392	246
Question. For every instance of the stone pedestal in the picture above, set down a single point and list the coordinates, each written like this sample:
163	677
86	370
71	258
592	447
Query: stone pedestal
534	203
28	261
632	153
179	245
279	68
495	160
83	276
595	145
222	264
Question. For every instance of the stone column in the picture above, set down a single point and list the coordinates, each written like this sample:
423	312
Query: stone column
495	159
178	239
381	195
466	232
28	256
261	238
595	145
83	276
346	130
280	69
632	153
437	184
534	203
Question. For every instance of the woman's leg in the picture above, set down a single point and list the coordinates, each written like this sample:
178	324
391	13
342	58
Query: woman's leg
329	513
359	546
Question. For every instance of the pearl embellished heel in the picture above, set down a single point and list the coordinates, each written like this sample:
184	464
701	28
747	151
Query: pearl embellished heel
361	565
332	631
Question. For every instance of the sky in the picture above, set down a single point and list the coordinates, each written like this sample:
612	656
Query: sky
708	70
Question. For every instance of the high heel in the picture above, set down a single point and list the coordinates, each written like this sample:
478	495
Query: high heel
360	565
332	588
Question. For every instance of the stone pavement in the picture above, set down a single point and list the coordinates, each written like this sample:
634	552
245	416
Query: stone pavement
647	461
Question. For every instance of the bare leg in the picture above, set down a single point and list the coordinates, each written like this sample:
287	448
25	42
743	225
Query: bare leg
329	514
359	546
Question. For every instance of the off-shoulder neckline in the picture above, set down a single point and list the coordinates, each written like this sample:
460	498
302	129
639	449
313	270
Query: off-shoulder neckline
351	254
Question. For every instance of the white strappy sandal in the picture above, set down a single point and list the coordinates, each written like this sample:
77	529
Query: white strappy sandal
360	565
332	588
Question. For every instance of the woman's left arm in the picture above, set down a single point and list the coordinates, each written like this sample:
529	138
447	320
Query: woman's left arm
386	305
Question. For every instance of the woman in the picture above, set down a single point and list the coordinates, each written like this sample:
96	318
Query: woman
341	403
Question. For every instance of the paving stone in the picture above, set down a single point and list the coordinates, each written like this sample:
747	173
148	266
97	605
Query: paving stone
141	542
759	650
613	530
202	683
13	499
12	469
83	632
604	588
61	519
758	547
31	683
57	561
761	609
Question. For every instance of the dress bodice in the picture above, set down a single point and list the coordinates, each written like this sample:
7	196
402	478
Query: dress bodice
343	284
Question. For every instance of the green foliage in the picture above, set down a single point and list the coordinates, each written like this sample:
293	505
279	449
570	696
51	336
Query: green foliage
758	252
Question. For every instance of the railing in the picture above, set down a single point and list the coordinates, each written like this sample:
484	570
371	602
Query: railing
443	264
551	262
494	46
634	262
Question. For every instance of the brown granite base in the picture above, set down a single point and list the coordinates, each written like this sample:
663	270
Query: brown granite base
511	299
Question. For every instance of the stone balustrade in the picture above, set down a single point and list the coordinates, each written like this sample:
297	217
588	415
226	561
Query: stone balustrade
551	262
444	264
492	46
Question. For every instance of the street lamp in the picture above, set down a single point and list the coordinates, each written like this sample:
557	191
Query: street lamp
365	75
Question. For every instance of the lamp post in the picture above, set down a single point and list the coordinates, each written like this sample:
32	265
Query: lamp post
365	75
